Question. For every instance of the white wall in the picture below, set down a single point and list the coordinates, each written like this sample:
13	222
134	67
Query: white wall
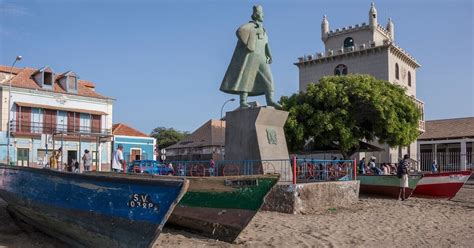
369	62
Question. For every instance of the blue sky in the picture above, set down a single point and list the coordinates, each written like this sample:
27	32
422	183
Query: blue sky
164	60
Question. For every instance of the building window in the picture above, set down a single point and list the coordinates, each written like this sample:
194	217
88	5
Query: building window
397	71
61	121
409	79
36	120
48	78
85	123
348	42
72	83
340	70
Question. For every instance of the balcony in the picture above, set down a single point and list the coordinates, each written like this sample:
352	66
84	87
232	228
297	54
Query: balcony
421	107
38	128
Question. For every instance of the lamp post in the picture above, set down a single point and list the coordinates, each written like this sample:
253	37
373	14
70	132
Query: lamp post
222	109
222	118
18	58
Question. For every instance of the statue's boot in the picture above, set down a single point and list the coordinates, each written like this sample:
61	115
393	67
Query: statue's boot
270	101
243	100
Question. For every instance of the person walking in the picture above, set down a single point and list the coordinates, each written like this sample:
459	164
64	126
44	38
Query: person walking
212	166
402	173
362	166
434	167
118	163
87	160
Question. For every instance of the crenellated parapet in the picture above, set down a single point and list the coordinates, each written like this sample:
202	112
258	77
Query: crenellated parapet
346	30
359	49
357	27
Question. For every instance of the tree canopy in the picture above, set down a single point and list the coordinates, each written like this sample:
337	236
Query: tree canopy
340	111
167	136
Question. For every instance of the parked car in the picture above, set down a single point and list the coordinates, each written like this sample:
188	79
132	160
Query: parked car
149	167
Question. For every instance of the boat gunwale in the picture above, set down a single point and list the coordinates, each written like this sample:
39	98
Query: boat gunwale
106	176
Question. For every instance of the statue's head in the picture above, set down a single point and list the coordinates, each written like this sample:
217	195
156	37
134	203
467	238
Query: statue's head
257	14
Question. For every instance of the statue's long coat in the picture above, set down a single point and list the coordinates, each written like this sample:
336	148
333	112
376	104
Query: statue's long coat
248	70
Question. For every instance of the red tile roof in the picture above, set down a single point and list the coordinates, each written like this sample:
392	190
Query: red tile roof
23	78
448	129
122	129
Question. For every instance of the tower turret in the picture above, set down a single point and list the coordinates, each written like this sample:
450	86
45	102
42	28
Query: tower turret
373	17
390	28
324	28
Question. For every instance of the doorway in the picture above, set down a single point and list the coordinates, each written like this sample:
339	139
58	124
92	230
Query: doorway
135	154
23	155
71	155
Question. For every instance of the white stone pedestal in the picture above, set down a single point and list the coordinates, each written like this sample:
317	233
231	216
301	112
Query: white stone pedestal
257	134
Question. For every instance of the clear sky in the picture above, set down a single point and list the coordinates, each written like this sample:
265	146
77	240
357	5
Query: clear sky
163	61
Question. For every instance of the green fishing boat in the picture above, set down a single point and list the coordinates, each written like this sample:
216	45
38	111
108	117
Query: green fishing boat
386	185
221	207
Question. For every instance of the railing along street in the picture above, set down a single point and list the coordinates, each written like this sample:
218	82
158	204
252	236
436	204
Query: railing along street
306	170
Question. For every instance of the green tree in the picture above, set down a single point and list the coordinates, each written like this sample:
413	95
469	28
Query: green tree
340	111
167	136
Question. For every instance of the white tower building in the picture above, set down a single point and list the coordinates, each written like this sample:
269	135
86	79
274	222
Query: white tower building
364	49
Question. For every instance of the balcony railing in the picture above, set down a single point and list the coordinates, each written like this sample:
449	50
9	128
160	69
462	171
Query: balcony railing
421	106
45	128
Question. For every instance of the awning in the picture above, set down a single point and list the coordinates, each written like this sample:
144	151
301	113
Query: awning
34	105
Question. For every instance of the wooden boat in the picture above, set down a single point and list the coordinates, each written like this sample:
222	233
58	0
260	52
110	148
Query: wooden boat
443	185
92	209
221	207
386	185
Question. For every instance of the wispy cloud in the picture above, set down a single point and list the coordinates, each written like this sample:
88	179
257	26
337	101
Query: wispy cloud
12	10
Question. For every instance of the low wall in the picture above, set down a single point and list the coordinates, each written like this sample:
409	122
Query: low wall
306	198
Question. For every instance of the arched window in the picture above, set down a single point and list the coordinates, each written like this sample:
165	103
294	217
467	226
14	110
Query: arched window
409	79
340	70
348	42
397	72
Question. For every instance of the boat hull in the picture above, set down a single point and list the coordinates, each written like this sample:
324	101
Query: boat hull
221	207
443	185
91	210
387	185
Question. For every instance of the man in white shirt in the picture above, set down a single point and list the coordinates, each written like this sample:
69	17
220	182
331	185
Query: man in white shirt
118	163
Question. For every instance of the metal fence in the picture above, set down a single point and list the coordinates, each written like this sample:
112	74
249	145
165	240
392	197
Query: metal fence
306	170
446	161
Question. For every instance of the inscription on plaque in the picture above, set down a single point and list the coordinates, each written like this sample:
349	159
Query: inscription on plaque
271	136
241	183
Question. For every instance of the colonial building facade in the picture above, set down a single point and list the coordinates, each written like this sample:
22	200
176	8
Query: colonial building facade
449	142
204	143
364	49
49	110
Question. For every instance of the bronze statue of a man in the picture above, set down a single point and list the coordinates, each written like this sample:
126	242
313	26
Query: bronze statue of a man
249	71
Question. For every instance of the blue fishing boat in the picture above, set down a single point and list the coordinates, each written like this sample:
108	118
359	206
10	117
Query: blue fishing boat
92	209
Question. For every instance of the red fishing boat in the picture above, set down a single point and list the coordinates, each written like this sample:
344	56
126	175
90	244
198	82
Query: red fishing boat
443	185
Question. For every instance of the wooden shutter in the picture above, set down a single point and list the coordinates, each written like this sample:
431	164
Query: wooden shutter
70	122
49	121
96	123
24	120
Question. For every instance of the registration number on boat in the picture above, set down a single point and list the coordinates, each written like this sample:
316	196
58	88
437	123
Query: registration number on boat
241	183
141	201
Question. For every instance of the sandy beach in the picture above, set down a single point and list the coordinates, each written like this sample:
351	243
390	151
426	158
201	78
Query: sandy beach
372	222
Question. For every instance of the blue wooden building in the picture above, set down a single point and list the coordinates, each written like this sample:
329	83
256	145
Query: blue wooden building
136	145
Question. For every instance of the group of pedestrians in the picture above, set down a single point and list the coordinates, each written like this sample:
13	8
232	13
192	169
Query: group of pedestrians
54	161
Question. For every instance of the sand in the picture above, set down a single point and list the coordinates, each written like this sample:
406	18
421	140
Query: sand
372	222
